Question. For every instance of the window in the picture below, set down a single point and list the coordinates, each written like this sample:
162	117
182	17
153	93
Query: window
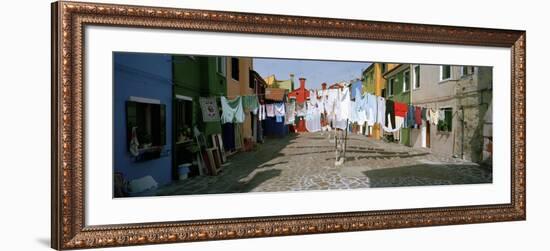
220	65
406	81
383	67
445	123
235	68
417	77
184	119
390	86
253	82
466	70
445	72
147	123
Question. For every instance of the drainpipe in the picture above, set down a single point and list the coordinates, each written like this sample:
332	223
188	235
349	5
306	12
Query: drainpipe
462	137
411	72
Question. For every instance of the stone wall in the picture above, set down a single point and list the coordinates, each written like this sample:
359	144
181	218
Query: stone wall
474	96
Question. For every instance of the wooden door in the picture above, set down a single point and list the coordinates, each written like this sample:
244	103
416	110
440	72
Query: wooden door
428	133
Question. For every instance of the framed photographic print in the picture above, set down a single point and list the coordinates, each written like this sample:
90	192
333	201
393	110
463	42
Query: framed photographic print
175	125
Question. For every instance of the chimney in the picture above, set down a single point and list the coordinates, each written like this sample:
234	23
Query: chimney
303	83
324	85
292	81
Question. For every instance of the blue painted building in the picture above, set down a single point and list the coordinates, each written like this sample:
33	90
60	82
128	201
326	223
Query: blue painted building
142	101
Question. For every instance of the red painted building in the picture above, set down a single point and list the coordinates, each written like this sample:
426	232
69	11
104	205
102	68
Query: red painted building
301	94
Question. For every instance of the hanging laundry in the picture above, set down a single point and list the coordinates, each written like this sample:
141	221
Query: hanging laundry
381	110
209	108
370	104
441	115
279	111
400	109
313	97
356	88
434	116
390	111
251	104
424	113
262	112
313	118
232	110
321	103
358	111
228	135
289	112
390	125
270	110
331	102
390	130
409	118
400	123
301	109
344	111
418	116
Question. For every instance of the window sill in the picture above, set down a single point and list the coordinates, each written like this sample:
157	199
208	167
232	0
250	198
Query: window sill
443	81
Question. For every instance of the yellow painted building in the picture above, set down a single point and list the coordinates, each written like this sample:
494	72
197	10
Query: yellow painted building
288	84
374	83
238	84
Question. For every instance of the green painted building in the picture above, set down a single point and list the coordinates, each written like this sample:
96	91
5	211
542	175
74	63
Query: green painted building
399	90
195	77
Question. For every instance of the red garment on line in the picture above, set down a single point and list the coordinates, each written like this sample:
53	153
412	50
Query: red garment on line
418	115
400	109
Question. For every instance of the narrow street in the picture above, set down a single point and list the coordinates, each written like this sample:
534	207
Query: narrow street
306	162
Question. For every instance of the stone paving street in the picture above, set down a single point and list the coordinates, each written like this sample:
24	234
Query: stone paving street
306	162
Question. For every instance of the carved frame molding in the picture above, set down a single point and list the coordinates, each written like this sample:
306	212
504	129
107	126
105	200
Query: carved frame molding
68	22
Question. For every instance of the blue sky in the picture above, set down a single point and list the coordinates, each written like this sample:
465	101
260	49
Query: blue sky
316	72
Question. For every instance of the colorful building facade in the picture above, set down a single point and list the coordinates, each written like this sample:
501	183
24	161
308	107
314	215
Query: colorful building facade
142	103
301	94
273	82
375	83
239	84
196	77
398	89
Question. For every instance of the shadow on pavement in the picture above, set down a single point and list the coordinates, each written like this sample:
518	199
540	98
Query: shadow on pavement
240	167
428	174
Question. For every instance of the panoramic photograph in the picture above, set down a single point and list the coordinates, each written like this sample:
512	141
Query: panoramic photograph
194	125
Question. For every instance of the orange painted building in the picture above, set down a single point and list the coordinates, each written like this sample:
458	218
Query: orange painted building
301	94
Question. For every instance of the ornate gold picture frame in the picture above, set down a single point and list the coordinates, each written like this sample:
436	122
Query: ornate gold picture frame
69	230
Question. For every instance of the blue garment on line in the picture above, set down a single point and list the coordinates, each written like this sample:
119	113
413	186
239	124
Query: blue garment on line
356	89
358	109
409	120
279	119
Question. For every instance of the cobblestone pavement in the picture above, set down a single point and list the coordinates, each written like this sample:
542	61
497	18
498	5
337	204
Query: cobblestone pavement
307	162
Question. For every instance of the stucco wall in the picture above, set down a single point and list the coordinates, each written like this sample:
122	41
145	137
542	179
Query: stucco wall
146	76
472	92
240	88
196	77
